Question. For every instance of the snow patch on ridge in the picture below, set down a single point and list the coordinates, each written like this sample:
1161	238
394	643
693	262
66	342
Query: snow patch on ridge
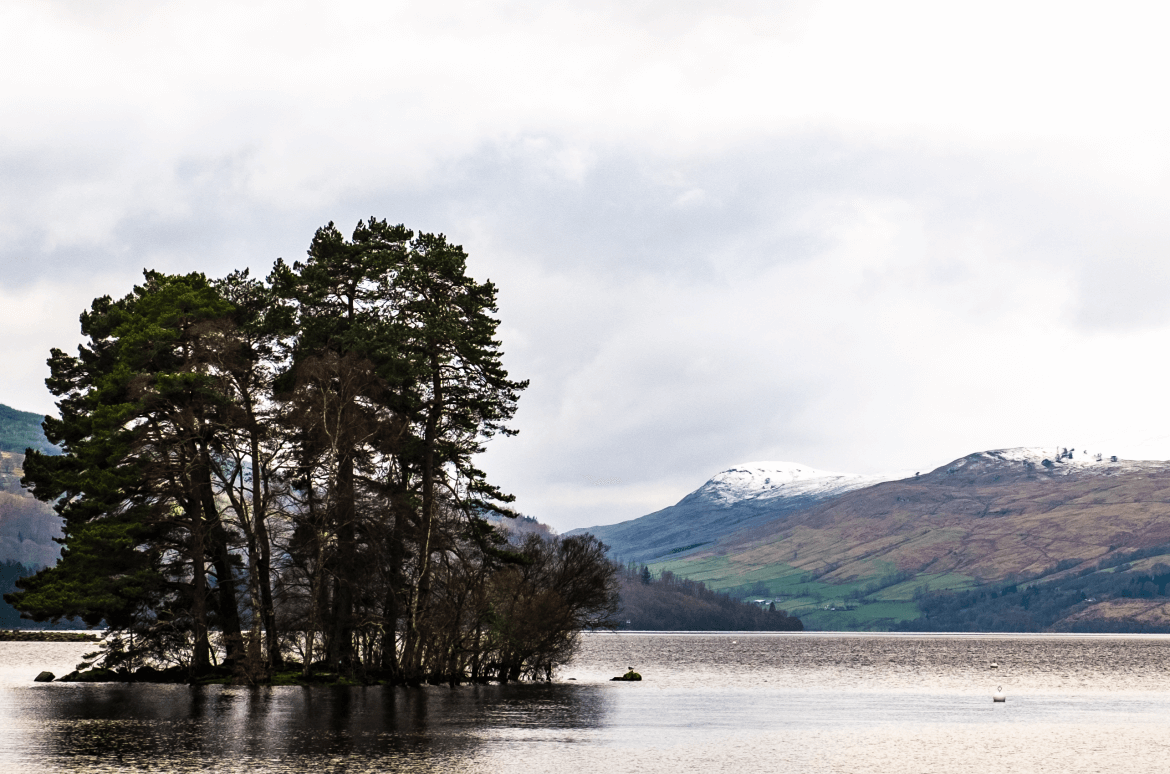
767	480
1061	460
1062	454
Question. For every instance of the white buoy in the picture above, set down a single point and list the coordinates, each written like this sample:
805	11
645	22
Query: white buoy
998	695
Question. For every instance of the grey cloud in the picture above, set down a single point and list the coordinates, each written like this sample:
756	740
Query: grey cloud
847	305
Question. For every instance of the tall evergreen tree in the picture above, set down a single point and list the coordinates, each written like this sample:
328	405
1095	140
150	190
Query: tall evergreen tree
459	395
252	450
338	311
139	413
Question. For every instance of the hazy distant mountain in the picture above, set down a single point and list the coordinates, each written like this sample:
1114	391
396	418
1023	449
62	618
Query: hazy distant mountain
741	497
27	526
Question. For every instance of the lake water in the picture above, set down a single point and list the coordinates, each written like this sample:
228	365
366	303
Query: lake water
708	702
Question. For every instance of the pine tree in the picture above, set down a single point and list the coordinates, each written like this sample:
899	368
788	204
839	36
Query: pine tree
139	417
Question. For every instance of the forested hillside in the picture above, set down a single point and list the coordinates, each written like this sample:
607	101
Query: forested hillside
20	430
671	603
10	573
1125	594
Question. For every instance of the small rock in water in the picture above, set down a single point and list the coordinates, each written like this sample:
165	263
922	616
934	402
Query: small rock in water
44	677
630	676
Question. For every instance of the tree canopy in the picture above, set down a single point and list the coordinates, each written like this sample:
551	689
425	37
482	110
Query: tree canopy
265	473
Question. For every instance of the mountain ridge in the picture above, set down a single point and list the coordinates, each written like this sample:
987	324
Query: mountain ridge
869	556
756	491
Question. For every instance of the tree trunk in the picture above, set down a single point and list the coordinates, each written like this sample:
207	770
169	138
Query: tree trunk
268	609
341	637
227	599
264	557
216	540
392	607
423	587
201	653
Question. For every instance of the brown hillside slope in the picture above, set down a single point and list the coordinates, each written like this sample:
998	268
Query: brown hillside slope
985	516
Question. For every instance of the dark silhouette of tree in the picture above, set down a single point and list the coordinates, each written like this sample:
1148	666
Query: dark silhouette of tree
256	471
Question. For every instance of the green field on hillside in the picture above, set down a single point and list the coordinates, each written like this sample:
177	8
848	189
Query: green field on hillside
875	602
878	617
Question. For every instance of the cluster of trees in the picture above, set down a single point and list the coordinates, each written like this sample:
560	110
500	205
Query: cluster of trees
884	582
671	603
260	472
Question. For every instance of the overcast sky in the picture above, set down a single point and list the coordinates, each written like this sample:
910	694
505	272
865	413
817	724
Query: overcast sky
861	236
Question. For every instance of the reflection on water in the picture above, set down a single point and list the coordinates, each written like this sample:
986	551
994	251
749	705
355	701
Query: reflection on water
175	728
848	703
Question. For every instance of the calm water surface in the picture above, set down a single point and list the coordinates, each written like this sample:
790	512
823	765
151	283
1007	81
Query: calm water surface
709	702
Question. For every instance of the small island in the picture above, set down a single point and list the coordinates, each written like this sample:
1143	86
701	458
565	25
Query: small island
273	481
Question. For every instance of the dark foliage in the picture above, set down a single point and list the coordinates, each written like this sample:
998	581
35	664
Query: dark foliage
10	573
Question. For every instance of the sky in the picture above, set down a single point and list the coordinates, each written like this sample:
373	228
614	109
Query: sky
859	236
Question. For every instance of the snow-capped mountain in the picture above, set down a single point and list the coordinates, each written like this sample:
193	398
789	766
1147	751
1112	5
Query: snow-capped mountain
763	481
752	494
739	498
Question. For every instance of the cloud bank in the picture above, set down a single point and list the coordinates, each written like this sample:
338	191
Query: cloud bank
860	236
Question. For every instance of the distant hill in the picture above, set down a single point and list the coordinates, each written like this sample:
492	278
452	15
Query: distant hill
27	529
1013	539
671	603
20	430
27	526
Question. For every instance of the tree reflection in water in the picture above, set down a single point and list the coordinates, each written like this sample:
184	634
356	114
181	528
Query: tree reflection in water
177	728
